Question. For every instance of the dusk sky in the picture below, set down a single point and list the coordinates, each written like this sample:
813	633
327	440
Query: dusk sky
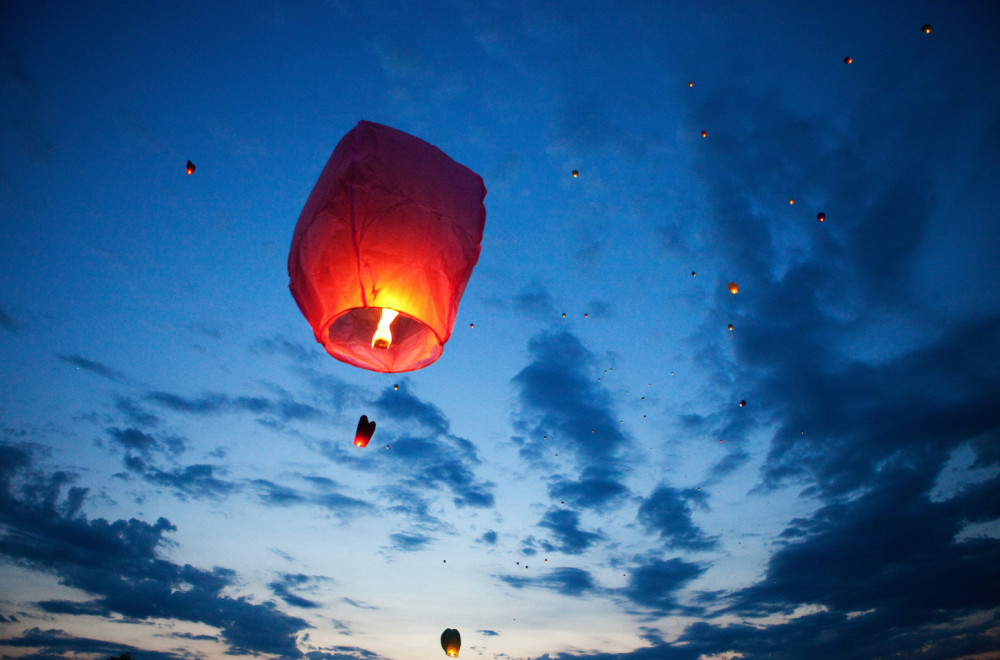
575	478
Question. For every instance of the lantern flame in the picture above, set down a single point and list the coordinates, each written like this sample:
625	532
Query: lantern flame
383	336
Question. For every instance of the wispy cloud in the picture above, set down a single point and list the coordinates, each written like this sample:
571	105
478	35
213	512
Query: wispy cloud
93	367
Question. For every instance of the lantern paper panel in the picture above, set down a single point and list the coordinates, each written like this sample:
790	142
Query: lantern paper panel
393	223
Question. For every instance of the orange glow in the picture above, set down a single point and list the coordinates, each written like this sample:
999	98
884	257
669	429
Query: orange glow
383	335
743	403
821	216
926	29
733	288
704	133
451	642
730	327
848	60
791	201
190	167
576	173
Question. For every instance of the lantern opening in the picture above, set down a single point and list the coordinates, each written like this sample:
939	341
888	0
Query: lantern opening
383	335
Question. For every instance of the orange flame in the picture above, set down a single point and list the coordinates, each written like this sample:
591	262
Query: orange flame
383	336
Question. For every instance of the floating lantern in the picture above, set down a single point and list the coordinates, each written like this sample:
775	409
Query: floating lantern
365	431
926	28
704	133
384	248
733	288
190	168
451	642
848	60
821	216
576	173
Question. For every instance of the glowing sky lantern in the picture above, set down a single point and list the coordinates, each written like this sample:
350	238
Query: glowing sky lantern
926	29
848	60
704	133
365	431
821	216
190	168
384	248
733	288
451	642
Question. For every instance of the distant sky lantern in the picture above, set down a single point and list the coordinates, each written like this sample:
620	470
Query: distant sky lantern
733	288
743	404
384	248
576	173
704	133
848	60
190	167
451	642
365	431
926	28
821	216
730	327
690	83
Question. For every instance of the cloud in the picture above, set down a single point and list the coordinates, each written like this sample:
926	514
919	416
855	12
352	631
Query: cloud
54	643
441	462
489	537
596	488
560	399
344	653
402	406
136	414
93	367
667	511
7	322
286	582
568	581
119	564
134	440
197	480
891	550
570	539
323	493
655	583
279	345
409	542
285	409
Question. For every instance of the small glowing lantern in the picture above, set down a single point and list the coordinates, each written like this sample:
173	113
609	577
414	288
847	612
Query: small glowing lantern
451	642
384	248
848	60
576	173
690	83
730	327
743	404
733	288
926	28
190	168
821	216
365	431
704	133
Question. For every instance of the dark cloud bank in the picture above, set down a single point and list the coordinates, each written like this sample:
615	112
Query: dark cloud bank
119	564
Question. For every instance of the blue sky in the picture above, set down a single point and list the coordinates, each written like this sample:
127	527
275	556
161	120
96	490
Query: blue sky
176	460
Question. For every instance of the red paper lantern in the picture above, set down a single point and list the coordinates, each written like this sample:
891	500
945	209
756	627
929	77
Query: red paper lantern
388	237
